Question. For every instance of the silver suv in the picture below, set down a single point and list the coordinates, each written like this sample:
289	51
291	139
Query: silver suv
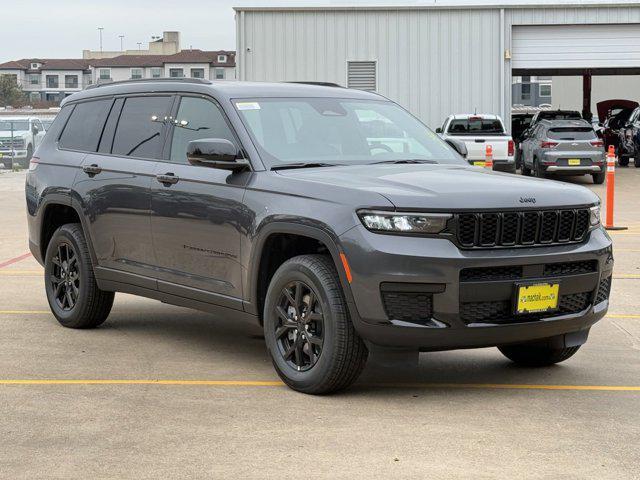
568	147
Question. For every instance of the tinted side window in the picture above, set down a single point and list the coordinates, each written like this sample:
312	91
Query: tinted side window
139	131
197	118
84	127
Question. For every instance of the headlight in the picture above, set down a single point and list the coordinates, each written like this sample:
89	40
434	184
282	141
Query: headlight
594	217
405	222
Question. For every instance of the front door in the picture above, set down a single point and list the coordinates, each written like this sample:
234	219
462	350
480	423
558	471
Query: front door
115	183
198	214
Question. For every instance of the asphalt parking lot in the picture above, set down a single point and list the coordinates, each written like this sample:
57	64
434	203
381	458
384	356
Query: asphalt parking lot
161	391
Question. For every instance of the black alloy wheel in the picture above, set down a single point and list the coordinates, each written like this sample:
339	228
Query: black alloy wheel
299	331
65	277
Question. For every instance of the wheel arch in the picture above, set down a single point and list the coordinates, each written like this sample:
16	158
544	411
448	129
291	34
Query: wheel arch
257	282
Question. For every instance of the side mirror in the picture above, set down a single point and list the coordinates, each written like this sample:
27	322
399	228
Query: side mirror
439	130
216	153
34	129
458	145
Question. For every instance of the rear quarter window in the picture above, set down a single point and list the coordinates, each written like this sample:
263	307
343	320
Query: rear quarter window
84	127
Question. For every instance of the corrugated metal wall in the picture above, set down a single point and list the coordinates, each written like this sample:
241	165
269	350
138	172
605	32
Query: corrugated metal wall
433	62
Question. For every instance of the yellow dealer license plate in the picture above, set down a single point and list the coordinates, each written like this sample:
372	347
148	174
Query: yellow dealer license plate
574	161
0	155
541	297
479	164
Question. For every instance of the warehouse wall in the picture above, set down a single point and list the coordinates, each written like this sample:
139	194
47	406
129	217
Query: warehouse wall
433	62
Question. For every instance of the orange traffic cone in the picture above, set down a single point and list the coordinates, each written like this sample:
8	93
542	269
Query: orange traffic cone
488	154
611	187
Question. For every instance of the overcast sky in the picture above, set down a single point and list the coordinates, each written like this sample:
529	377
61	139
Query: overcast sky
63	28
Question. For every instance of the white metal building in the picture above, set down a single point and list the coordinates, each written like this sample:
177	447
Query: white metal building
443	57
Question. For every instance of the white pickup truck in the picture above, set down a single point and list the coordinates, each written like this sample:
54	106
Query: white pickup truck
477	131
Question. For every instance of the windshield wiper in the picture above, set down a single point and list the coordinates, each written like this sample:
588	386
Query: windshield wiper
408	160
286	166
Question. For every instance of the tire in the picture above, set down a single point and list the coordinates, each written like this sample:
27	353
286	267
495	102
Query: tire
67	258
598	178
623	161
537	169
526	171
338	354
29	153
636	161
537	356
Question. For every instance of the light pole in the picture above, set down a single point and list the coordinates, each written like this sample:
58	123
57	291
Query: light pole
139	45
121	42
100	32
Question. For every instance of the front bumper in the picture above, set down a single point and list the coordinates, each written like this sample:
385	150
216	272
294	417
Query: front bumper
433	266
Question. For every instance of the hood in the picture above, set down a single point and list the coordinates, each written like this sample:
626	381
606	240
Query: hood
447	187
607	106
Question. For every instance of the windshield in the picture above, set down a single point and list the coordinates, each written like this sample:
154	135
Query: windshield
339	131
475	126
5	125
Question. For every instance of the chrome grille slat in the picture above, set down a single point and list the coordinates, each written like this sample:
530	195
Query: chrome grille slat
524	228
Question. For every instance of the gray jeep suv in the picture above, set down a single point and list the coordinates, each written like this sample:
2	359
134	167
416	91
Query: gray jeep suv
332	217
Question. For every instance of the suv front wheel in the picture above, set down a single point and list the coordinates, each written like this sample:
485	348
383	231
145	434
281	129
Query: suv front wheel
72	292
312	342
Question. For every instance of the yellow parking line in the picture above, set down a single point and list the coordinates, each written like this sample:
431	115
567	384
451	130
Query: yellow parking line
626	275
621	315
24	312
21	273
272	383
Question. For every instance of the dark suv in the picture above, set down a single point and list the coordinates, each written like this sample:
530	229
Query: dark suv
293	206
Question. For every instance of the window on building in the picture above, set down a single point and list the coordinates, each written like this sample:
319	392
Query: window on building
197	118
52	81
34	66
71	81
526	91
197	73
34	79
156	72
176	72
83	129
545	89
222	59
219	73
139	129
361	75
105	74
136	73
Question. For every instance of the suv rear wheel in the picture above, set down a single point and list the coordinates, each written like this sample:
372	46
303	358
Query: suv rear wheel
538	169
312	342
623	161
598	178
537	356
74	298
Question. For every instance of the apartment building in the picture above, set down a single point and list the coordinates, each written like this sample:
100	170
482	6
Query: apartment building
53	79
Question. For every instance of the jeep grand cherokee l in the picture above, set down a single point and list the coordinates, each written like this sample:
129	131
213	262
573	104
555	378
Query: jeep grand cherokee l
290	205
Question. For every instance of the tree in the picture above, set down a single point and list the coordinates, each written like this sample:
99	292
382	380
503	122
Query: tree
10	91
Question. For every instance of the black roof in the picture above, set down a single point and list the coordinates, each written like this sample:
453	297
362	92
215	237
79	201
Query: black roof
225	88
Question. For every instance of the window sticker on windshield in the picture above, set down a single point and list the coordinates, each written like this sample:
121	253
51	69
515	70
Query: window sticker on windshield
247	105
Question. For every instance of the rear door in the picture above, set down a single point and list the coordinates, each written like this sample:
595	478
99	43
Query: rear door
115	185
198	217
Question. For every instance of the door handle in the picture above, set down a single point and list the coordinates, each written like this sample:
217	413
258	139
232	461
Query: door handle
167	179
92	169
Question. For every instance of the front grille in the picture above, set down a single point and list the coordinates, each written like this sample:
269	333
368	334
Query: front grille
490	273
604	288
7	143
501	311
527	228
408	306
570	268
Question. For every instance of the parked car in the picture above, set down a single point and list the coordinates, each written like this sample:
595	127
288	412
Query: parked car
478	131
273	203
19	136
555	115
614	115
566	147
629	140
520	123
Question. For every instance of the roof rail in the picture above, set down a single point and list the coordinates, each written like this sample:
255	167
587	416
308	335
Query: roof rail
142	80
321	84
